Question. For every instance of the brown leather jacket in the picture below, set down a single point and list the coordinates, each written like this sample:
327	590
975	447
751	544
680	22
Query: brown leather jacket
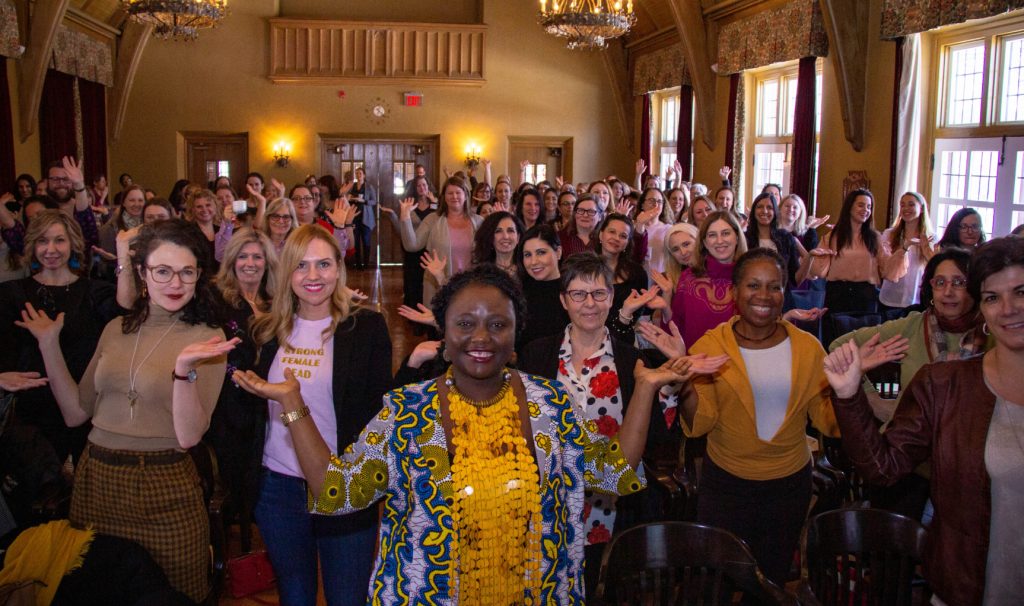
944	414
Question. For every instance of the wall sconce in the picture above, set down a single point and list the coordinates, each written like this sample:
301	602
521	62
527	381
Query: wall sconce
282	154
472	155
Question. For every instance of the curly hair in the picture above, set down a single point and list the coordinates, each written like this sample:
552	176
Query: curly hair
485	274
206	306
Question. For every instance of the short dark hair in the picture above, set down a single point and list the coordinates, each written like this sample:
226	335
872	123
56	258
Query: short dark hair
961	257
587	266
758	254
485	274
991	258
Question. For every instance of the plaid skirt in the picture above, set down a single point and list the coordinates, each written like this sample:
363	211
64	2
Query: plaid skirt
154	499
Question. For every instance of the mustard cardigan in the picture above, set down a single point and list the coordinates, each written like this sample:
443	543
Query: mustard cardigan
725	408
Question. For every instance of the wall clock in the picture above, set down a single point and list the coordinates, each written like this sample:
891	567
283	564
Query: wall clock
378	111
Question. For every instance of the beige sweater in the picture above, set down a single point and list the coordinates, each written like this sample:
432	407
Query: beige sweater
103	390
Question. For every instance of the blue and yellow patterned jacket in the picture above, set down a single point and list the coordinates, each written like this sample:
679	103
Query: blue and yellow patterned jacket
402	457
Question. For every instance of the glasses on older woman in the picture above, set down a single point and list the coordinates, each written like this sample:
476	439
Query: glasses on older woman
940	283
580	296
279	218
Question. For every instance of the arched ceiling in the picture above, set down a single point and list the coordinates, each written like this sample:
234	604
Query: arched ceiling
104	11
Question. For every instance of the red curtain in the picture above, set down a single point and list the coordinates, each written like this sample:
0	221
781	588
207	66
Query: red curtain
684	138
57	119
7	166
645	136
730	126
94	128
802	167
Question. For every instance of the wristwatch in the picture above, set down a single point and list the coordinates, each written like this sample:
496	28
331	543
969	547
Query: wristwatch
190	377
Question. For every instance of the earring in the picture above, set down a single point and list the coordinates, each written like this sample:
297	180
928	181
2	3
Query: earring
144	293
35	265
984	328
444	355
73	262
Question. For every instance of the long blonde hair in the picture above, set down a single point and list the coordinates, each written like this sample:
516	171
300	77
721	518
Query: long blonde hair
281	319
924	222
227	280
800	223
672	267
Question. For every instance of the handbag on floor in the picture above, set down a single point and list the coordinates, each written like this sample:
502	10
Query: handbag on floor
249	574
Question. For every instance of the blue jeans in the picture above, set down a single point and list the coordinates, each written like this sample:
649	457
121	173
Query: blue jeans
294	537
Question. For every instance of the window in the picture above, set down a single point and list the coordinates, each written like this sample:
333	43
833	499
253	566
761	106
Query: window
978	137
535	173
665	127
774	122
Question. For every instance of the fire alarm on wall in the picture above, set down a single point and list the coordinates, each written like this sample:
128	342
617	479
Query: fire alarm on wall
413	99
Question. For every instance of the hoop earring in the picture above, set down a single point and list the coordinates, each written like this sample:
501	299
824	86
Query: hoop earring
444	354
984	328
35	265
144	293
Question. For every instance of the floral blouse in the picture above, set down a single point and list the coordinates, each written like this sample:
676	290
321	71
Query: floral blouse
402	457
598	397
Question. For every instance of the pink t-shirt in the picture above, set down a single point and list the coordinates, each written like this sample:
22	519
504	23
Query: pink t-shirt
311	359
461	242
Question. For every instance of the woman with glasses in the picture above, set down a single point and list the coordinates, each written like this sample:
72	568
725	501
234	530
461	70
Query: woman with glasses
566	202
964	230
550	205
279	221
949	329
579	235
54	249
652	202
149	391
339	221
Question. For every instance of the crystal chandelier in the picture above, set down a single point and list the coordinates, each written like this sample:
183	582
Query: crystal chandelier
177	19
586	24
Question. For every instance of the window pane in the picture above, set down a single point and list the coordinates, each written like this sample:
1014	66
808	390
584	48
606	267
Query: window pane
1018	178
963	92
668	158
540	172
669	118
769	165
1012	102
769	107
953	177
981	183
790	105
223	168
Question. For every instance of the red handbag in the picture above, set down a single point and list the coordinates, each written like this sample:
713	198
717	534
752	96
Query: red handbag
249	574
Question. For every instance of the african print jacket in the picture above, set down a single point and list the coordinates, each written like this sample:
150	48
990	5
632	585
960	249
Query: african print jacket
402	457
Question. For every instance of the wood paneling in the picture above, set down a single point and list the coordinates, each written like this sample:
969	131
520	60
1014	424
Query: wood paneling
317	52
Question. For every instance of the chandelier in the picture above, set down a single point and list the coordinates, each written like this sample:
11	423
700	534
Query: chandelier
586	24
177	19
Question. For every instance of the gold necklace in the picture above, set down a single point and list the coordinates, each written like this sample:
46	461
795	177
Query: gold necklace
133	396
449	381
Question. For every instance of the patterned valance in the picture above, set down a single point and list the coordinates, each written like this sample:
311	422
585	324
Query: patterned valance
9	44
82	55
661	69
904	17
787	33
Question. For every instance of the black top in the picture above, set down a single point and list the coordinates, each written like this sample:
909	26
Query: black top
545	315
636	279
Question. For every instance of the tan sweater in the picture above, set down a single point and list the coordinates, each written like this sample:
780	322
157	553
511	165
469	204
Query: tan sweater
103	390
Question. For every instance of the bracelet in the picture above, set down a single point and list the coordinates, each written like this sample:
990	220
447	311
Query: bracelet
290	417
77	190
625	319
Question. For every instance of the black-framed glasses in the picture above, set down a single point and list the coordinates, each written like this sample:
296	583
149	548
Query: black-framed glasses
303	199
279	218
162	274
940	283
587	212
969	227
580	296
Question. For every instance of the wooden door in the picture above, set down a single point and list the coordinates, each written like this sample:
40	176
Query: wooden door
389	164
547	157
211	155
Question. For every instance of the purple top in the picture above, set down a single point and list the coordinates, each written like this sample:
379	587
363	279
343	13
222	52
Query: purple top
701	304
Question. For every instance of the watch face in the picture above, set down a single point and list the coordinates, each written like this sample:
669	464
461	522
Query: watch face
192	375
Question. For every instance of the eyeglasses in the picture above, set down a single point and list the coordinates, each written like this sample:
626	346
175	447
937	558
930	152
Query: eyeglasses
58	180
969	227
940	283
306	199
163	274
580	296
279	218
586	212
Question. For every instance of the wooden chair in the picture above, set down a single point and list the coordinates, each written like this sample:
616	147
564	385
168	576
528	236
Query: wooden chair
213	492
866	557
886	379
833	460
677	563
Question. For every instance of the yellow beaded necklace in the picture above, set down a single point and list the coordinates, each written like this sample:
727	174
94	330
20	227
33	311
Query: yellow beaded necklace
496	514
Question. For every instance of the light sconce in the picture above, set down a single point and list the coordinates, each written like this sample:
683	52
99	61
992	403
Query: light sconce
472	155
282	154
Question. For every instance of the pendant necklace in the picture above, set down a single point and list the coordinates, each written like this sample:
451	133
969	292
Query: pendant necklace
737	331
133	396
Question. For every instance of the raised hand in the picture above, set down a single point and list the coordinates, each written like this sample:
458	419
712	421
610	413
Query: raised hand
660	280
559	182
405	209
523	165
500	206
486	163
624	207
74	170
255	193
39	324
640	166
724	172
357	295
204	350
258	386
671	345
435	263
17	381
636	300
873	354
228	213
343	213
843	369
424	352
677	168
279	188
124	241
420	315
815	222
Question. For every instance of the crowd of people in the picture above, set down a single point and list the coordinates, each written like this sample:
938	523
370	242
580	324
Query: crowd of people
570	330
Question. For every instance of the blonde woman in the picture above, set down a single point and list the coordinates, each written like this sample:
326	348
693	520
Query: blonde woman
680	244
279	221
203	209
341	357
247	276
910	238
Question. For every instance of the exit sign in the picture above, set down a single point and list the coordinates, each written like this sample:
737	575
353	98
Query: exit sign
413	99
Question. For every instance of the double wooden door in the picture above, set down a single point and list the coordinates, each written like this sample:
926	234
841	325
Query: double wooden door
212	155
389	165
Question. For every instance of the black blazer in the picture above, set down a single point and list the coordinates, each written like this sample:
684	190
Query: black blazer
362	375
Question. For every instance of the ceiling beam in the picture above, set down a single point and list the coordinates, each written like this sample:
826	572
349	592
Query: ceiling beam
689	20
615	63
847	26
42	32
129	53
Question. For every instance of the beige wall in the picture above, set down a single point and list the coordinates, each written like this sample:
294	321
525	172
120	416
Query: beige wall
26	153
534	87
426	11
837	155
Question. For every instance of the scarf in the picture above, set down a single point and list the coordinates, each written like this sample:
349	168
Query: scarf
972	339
45	554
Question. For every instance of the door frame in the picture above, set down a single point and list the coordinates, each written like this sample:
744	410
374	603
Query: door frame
213	137
564	142
403	138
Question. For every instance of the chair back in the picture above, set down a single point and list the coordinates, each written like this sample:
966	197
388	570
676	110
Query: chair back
886	379
862	556
676	563
841	323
